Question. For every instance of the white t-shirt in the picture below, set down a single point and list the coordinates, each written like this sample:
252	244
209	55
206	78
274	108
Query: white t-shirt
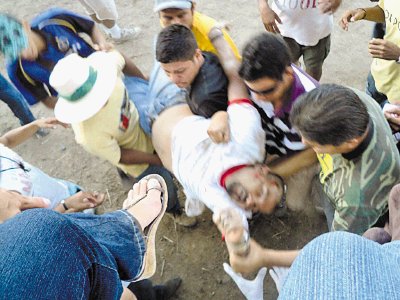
302	21
18	175
198	163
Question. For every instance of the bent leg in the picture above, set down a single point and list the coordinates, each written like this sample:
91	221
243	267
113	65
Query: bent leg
315	56
47	255
340	265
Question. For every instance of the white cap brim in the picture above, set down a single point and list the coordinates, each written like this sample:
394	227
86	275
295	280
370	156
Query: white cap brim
75	112
173	4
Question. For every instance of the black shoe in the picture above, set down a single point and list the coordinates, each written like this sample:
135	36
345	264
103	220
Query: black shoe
166	291
144	290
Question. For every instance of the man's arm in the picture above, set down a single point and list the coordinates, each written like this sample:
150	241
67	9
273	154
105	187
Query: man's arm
268	17
375	14
19	135
287	166
259	257
131	69
132	156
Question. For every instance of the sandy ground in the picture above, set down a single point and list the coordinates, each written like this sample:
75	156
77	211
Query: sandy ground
197	254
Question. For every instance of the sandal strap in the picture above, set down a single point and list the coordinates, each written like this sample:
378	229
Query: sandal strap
158	188
136	202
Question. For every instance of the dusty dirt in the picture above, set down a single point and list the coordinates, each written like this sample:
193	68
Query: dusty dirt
197	254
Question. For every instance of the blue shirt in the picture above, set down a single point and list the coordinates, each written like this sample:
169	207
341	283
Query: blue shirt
60	29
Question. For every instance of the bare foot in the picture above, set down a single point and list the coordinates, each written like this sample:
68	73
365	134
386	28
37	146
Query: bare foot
147	209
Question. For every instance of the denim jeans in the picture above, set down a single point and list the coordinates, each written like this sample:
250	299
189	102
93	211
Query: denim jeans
342	265
373	92
137	90
15	101
48	255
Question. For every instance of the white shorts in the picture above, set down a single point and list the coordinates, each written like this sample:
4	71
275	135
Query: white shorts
103	9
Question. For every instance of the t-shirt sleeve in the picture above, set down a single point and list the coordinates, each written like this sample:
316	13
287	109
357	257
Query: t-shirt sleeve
245	124
33	90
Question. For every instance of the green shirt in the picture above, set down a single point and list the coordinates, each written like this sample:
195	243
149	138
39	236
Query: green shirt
358	183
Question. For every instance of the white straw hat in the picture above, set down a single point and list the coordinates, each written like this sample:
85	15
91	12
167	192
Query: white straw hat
83	85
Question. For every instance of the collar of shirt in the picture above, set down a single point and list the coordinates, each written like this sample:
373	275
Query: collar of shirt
363	145
296	90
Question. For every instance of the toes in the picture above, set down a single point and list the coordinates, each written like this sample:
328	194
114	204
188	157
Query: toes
142	187
153	183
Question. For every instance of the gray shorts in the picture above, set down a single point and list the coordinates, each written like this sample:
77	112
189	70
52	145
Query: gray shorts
313	56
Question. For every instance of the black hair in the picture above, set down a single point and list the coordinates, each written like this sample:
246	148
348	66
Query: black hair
330	115
175	43
266	55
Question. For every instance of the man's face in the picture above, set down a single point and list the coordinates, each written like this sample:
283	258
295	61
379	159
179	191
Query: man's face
323	149
172	16
182	73
257	189
271	90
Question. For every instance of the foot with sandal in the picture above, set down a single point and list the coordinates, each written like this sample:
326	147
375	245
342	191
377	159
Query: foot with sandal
147	202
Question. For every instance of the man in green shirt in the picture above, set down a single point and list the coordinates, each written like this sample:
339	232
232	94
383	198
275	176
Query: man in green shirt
358	156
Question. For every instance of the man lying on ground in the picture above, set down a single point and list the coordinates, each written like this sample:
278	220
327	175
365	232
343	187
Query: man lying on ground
18	176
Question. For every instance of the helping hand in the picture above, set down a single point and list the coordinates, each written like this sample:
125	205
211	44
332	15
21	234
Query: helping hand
269	19
83	200
351	16
218	131
384	49
49	123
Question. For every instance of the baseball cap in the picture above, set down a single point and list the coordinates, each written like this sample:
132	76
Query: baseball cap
164	4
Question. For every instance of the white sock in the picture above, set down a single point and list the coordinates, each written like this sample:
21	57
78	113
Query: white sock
115	31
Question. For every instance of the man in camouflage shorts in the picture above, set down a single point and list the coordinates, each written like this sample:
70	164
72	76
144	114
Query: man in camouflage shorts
358	156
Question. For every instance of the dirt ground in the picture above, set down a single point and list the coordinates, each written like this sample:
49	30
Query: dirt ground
196	254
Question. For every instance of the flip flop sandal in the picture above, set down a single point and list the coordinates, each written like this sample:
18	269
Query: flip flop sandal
149	233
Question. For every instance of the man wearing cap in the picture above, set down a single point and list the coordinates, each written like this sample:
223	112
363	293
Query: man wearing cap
214	87
51	36
93	98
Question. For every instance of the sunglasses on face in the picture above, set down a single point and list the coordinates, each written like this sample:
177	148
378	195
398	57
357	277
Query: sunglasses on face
264	92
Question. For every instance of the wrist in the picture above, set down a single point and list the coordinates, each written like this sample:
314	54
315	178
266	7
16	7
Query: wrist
365	13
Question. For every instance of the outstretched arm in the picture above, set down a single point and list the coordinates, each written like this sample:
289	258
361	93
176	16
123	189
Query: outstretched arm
19	135
375	14
288	166
230	64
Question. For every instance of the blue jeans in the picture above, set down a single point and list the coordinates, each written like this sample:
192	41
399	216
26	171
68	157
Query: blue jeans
15	101
342	265
137	90
152	97
48	255
373	92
